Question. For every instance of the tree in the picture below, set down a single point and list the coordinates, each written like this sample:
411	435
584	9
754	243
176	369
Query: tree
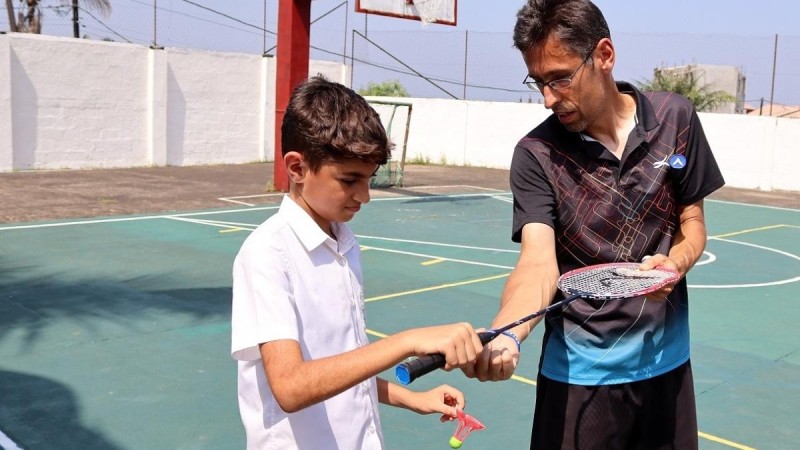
31	20
687	84
391	88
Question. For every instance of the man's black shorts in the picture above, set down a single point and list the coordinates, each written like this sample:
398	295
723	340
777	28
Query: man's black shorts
658	413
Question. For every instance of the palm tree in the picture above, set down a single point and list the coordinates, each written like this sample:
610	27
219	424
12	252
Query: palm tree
687	84
31	20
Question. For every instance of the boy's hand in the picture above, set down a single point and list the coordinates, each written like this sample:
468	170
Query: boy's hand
459	343
444	399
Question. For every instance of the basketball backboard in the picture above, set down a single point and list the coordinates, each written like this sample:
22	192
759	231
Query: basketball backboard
430	11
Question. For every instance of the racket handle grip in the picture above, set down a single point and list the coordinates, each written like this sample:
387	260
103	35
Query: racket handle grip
411	370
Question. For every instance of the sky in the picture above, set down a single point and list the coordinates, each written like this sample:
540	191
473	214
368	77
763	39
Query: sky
647	34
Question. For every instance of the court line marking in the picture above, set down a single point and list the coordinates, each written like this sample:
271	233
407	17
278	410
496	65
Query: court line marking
7	443
750	285
437	244
212	212
236	198
434	288
780	208
752	230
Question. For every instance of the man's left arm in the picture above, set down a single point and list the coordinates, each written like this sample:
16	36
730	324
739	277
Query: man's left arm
687	245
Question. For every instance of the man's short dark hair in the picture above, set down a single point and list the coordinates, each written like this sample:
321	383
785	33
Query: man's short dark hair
326	121
579	24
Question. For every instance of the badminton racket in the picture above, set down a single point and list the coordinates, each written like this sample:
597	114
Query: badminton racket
612	281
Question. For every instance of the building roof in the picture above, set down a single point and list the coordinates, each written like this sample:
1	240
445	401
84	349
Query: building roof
792	112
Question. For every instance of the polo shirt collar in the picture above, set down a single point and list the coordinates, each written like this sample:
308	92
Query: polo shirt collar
645	114
310	234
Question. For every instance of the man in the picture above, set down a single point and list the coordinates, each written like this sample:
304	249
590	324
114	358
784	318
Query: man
612	175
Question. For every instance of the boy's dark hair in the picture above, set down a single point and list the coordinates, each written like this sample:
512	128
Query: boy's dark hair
326	121
579	24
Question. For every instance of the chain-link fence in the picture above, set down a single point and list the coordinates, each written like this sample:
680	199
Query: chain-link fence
428	62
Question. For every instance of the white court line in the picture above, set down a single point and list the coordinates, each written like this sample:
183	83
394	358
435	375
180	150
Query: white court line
750	285
236	198
7	443
131	219
227	211
438	244
780	208
424	255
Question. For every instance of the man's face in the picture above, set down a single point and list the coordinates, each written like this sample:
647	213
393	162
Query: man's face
577	105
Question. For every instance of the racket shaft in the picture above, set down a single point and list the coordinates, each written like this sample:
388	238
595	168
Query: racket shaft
411	370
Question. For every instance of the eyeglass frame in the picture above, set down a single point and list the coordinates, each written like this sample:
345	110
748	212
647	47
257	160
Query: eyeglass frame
553	84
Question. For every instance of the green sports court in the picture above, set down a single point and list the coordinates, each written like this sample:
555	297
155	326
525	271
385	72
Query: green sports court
115	331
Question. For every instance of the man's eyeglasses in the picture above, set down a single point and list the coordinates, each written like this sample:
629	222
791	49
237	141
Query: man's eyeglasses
562	84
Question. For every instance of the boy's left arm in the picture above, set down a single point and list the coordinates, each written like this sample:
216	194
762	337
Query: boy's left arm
444	399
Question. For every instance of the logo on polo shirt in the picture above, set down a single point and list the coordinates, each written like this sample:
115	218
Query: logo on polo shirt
677	162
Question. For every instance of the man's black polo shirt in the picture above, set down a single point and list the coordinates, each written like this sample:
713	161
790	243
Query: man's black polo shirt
605	209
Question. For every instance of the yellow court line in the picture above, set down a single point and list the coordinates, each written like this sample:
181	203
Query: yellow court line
377	334
723	441
433	288
752	230
232	230
433	261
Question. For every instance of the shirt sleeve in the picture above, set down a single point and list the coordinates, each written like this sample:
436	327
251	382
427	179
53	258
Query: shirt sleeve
534	199
701	175
263	306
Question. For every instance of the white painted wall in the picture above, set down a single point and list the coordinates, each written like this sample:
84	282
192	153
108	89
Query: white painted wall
79	104
753	152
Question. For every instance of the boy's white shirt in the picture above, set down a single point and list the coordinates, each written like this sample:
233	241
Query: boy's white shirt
293	281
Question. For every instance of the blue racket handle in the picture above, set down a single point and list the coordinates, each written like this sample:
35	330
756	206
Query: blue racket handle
411	370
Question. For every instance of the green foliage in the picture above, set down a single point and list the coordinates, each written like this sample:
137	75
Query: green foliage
687	84
391	88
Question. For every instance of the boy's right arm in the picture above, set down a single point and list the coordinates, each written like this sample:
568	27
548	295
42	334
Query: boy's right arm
297	383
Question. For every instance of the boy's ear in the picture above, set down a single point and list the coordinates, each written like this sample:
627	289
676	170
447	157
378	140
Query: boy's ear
295	166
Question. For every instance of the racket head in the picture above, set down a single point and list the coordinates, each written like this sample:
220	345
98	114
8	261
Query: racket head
615	281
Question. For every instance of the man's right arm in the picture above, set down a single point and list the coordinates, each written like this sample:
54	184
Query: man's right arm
530	287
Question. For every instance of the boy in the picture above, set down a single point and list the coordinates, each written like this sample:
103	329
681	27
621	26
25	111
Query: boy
307	373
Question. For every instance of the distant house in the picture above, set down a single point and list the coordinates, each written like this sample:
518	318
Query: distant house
716	78
791	112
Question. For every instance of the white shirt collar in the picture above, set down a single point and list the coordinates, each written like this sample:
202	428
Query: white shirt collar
310	234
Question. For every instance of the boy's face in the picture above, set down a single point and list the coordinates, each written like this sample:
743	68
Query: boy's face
335	192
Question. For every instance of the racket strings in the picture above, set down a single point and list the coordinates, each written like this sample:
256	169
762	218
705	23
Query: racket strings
613	282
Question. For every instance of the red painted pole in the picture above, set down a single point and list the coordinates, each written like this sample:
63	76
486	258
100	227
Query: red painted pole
294	25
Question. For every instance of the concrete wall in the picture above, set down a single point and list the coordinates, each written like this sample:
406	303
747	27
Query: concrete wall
754	152
78	104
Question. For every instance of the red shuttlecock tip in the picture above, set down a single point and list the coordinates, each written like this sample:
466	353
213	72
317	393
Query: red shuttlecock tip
466	425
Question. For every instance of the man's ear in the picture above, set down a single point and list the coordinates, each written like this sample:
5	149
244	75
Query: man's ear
607	54
296	166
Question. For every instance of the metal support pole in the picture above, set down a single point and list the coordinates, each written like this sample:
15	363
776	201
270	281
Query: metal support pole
294	24
774	64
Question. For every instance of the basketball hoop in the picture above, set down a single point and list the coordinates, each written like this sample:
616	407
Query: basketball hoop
428	10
